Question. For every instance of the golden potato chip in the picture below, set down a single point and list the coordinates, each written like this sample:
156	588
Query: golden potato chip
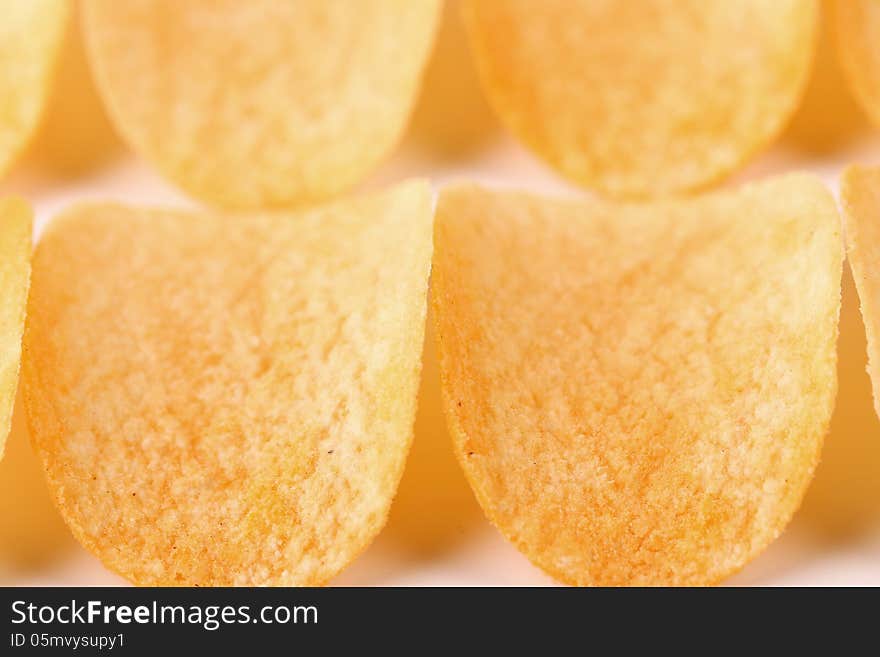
857	26
639	394
31	34
644	98
228	401
860	197
15	271
261	103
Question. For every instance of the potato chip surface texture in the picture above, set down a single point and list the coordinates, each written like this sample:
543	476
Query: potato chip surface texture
228	400
638	394
261	103
648	98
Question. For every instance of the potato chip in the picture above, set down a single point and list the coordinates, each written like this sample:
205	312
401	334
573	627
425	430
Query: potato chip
15	271
857	26
31	34
860	197
644	98
228	401
261	103
639	394
842	498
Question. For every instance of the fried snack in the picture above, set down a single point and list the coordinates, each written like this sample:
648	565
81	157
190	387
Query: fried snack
261	103
638	394
860	197
857	26
228	401
15	271
31	34
641	99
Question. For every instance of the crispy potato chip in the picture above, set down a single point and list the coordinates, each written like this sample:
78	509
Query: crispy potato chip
860	197
226	402
31	34
15	271
261	103
644	98
33	538
857	26
639	394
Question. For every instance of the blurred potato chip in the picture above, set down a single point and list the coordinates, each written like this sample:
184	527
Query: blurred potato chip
261	103
452	118
860	197
75	134
15	269
857	26
644	98
828	118
228	401
31	34
639	394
